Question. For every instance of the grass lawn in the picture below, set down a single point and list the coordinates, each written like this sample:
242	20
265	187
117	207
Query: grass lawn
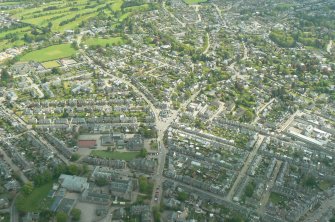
104	42
115	155
50	64
277	198
50	53
36	200
324	185
117	5
189	2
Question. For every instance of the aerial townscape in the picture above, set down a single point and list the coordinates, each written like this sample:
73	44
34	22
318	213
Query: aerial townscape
167	110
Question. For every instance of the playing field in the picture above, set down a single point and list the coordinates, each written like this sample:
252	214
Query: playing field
115	155
104	42
49	53
50	64
189	2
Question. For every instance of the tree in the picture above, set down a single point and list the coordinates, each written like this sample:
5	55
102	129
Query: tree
27	188
73	169
75	213
5	77
61	217
182	196
100	181
55	70
74	45
143	153
156	214
75	157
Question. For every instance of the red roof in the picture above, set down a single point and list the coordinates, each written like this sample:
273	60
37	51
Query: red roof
87	143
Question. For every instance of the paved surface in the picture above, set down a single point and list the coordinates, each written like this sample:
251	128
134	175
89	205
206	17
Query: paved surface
269	185
288	122
245	168
326	206
14	167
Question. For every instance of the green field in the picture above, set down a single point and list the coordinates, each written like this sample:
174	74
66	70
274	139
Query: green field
50	53
190	2
277	198
36	200
72	13
324	185
104	42
115	155
50	64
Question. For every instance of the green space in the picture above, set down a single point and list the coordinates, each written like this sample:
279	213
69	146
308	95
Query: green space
190	2
36	200
276	198
50	64
115	155
146	186
282	39
50	53
104	42
324	185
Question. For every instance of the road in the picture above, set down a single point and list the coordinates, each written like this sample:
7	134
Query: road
14	214
288	122
208	44
14	167
245	168
326	206
29	127
237	74
162	125
196	8
269	185
217	113
329	46
173	16
261	109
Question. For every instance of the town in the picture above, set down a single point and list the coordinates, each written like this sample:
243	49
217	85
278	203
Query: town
167	110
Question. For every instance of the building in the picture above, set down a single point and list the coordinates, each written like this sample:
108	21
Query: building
73	183
136	143
121	188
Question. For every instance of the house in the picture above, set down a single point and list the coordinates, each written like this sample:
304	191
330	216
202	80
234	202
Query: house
12	185
143	164
73	183
31	217
4	203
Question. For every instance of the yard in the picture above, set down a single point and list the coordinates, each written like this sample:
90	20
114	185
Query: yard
276	198
36	200
50	53
115	155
